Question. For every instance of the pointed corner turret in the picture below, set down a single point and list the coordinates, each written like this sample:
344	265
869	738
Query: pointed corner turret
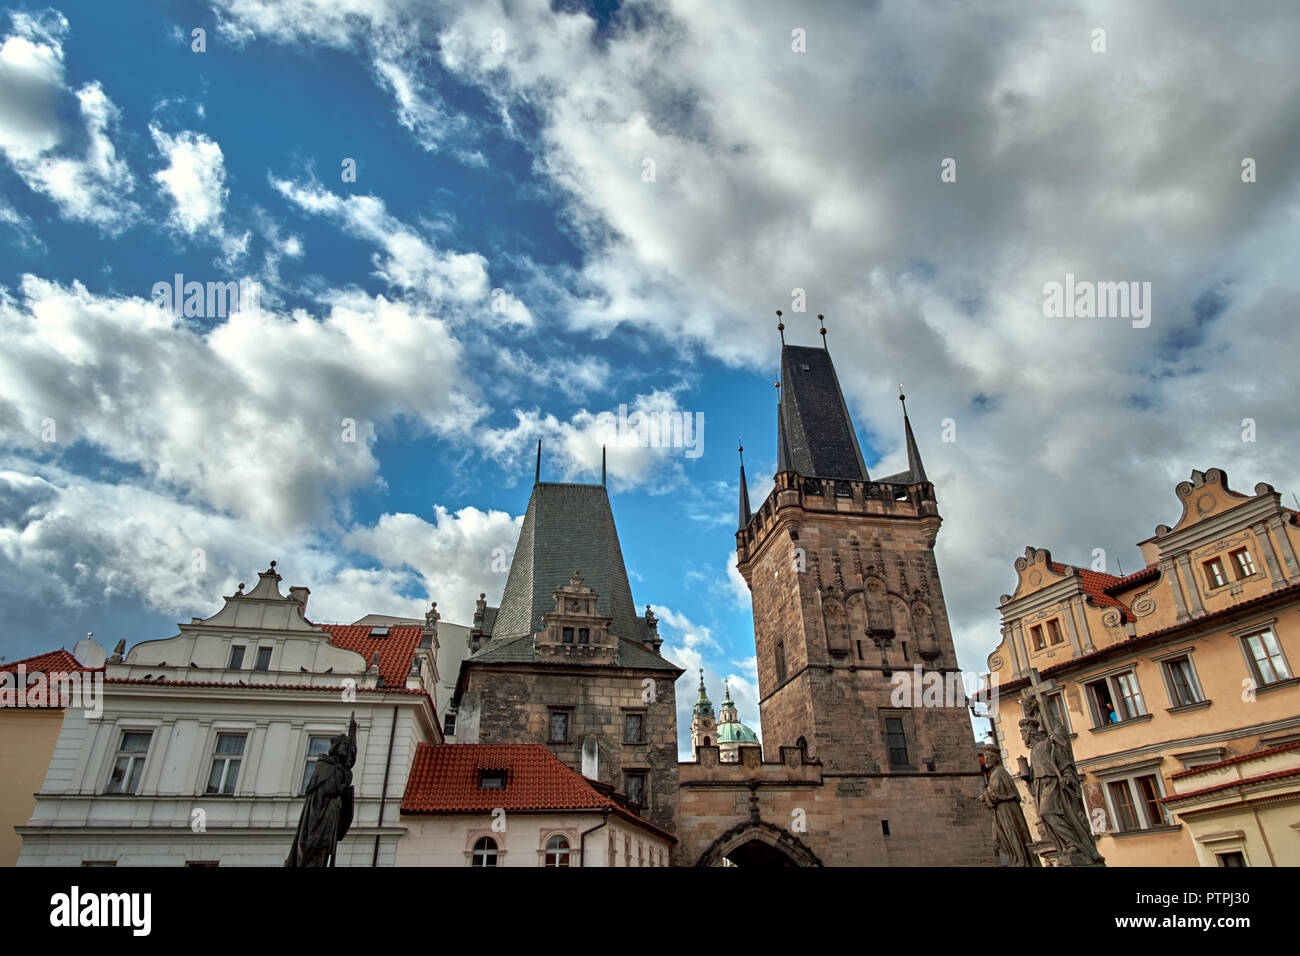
914	464
745	513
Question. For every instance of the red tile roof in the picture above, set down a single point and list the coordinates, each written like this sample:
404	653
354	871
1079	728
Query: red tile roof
1149	573
1239	758
59	660
1261	778
445	779
1096	585
337	689
394	651
51	662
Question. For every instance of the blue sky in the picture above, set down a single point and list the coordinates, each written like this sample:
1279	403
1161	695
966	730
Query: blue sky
501	270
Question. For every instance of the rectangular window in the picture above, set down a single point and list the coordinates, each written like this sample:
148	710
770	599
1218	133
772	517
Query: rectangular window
1150	794
896	741
1181	679
263	662
1122	800
559	726
205	864
1036	633
1214	575
317	747
449	725
635	787
566	635
1231	858
225	764
1057	704
1265	655
1054	632
1241	563
491	779
1130	697
236	657
132	750
1115	699
633	728
584	635
780	662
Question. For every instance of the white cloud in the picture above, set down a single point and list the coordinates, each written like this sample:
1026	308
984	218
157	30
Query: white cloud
89	183
250	417
194	180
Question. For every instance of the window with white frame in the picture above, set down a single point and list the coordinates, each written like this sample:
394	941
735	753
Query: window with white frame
236	657
1242	563
558	851
485	852
263	662
1115	698
317	747
129	765
1215	576
1134	801
1180	681
1264	655
226	759
1056	702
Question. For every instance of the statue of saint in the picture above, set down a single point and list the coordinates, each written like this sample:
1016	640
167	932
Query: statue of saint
327	811
1009	828
1058	795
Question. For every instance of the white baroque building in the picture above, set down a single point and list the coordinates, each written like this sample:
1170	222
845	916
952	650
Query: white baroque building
207	738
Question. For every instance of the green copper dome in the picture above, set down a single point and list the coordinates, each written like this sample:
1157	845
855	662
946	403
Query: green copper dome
736	733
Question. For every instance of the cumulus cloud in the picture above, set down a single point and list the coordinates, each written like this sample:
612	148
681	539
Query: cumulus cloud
79	170
265	416
194	182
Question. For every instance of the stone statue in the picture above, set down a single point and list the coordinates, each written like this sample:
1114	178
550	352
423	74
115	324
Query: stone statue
1053	781
327	810
1010	831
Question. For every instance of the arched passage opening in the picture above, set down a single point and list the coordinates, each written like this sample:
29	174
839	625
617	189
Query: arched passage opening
758	844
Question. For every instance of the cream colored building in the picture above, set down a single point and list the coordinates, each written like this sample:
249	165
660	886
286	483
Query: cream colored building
1171	681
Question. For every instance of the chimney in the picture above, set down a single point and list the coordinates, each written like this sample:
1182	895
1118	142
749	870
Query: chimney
299	594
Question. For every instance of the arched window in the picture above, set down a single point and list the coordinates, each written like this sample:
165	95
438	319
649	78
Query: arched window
557	851
802	744
485	852
707	742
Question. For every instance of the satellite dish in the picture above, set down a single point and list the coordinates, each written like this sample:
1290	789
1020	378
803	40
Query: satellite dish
89	653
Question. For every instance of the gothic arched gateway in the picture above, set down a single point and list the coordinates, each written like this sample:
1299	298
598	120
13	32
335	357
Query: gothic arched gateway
758	843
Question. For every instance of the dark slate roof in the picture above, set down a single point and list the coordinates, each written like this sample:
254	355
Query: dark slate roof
567	528
816	437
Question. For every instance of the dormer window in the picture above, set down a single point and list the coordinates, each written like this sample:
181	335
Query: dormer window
1214	573
379	632
492	779
1242	563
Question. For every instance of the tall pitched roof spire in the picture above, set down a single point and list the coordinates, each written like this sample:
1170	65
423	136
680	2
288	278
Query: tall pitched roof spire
913	453
815	435
537	475
745	513
703	706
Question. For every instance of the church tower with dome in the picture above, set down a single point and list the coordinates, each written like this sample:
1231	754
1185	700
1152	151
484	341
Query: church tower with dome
731	732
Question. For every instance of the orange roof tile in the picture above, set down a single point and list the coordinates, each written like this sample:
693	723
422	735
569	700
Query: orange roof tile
445	779
51	662
1095	585
394	651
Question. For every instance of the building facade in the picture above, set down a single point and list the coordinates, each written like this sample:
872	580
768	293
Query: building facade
207	739
1175	684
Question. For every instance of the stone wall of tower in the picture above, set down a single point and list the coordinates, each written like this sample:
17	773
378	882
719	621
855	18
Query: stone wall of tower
827	576
512	704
